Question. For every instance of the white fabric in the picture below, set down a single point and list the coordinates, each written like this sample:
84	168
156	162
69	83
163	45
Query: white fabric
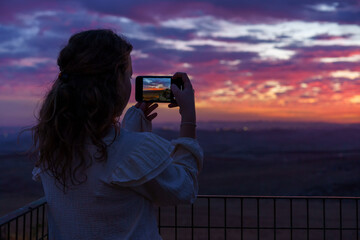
117	200
135	120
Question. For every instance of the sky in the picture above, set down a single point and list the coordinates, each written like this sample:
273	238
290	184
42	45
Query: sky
156	83
279	60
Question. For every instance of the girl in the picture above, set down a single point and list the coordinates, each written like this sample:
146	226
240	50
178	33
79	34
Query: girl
102	179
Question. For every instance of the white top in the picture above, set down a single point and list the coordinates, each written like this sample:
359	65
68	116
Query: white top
117	201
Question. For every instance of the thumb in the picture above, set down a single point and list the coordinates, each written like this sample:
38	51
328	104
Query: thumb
175	90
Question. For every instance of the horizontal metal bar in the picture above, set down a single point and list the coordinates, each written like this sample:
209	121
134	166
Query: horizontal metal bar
22	211
278	197
344	151
261	228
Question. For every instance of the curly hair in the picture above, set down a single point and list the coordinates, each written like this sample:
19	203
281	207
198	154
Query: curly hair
82	106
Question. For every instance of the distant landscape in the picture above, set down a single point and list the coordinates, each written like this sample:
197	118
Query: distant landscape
156	95
243	158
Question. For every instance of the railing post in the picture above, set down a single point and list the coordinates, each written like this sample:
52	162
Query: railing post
340	213
242	219
324	219
225	227
258	217
208	218
176	223
357	219
291	219
274	218
307	220
192	221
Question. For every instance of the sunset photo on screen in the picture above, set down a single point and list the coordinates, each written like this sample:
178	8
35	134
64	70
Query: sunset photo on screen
156	89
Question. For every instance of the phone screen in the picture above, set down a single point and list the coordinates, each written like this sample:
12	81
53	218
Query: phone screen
157	89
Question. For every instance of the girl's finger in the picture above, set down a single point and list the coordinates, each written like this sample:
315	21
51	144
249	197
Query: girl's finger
150	109
152	116
171	105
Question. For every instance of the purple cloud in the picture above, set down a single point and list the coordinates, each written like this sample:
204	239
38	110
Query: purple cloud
331	37
248	11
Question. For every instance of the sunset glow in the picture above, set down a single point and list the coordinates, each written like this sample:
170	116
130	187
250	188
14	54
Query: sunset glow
247	60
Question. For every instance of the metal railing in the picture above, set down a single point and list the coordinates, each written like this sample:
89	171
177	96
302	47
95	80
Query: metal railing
226	217
259	217
28	222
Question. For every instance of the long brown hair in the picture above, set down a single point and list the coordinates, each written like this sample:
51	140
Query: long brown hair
83	104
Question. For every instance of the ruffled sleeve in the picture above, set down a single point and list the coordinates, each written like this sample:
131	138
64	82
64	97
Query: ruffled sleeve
36	174
135	120
147	160
184	148
164	172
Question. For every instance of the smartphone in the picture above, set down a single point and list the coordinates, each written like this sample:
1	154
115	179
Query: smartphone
156	88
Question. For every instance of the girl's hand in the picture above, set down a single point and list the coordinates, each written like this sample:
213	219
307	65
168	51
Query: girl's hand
184	99
147	108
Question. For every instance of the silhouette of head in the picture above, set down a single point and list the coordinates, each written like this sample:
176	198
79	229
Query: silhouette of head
84	103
